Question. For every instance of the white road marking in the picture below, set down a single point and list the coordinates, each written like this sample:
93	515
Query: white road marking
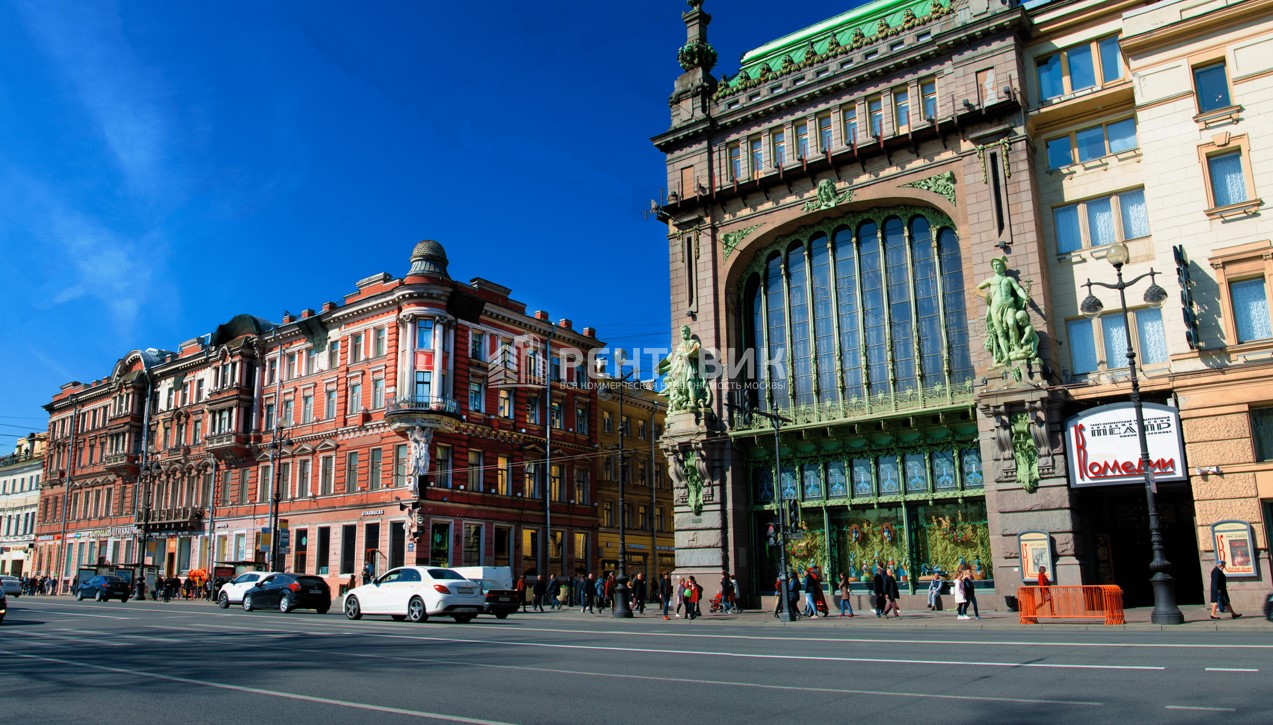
1232	669
114	634
81	614
1202	709
67	638
258	690
682	680
745	655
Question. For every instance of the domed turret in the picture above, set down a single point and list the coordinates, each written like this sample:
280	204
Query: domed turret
428	259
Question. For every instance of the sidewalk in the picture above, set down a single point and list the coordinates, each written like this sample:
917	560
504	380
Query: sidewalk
1196	620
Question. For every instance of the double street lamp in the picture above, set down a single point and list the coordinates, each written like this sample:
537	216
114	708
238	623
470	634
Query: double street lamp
276	445
1165	609
622	593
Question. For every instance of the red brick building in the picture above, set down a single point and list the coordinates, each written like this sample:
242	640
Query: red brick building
329	415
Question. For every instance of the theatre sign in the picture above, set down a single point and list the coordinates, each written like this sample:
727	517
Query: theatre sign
1103	448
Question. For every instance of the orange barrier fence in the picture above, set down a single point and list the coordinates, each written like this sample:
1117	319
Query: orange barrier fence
1104	602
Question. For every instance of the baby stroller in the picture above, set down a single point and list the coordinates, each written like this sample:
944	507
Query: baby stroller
718	603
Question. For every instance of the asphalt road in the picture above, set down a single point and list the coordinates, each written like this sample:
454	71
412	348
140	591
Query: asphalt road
144	662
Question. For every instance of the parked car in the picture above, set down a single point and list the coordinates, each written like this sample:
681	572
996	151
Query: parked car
288	592
497	587
1268	608
11	585
4	604
416	593
232	591
103	588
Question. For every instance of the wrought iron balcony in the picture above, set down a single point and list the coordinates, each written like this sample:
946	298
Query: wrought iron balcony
426	412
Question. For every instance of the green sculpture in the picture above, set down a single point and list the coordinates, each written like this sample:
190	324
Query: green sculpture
693	483
826	197
1026	453
684	385
1010	337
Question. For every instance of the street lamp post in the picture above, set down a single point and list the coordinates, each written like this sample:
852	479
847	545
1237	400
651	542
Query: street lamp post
784	573
622	594
276	446
1165	609
150	470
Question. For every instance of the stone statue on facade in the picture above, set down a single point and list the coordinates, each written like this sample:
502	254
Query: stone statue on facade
420	439
684	385
1010	336
688	472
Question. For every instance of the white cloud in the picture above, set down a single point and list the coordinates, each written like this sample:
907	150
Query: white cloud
86	45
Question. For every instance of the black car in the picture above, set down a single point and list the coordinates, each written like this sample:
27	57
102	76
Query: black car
1268	608
103	588
288	592
4	605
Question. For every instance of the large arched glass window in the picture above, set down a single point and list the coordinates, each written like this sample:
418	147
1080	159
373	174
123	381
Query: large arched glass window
776	332
902	327
846	292
867	315
798	305
823	320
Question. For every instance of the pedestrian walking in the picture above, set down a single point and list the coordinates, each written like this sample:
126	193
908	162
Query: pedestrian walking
693	593
520	588
842	591
587	594
961	599
819	597
1220	592
1045	597
639	593
665	593
809	579
540	588
891	594
726	592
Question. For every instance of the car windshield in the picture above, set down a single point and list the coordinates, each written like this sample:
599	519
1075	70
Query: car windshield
310	581
111	579
444	574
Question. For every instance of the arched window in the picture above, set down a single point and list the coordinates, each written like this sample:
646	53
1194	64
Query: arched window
861	317
798	306
956	326
932	354
846	292
823	320
901	327
776	332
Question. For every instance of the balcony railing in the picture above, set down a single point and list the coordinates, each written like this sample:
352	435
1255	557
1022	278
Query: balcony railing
121	462
168	517
423	404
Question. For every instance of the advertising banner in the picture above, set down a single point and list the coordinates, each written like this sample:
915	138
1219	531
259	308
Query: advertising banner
1103	449
1235	545
1036	551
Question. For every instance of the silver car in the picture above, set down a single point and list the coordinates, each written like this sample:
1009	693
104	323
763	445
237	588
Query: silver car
12	585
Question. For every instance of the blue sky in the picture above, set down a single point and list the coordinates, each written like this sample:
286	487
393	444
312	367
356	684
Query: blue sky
166	166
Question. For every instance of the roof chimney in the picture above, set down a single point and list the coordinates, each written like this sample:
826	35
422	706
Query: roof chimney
541	315
565	323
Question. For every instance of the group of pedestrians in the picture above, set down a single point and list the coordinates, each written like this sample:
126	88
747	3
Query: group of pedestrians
39	584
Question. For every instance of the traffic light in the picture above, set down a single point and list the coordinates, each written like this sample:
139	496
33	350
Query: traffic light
793	513
1186	295
771	535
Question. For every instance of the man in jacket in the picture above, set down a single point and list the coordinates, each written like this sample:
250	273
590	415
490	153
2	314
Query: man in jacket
638	593
541	586
587	594
665	593
1220	592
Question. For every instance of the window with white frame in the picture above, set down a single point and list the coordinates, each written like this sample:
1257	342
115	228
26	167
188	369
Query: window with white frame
1086	65
1092	142
477	396
1102	343
1100	221
443	478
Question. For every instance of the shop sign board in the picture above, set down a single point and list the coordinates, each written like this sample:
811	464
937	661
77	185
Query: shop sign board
1103	449
1036	551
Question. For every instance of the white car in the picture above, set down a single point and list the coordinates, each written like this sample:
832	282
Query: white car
232	591
12	585
416	593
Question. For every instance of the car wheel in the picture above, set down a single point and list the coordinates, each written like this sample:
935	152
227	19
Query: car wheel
352	608
98	597
502	615
223	600
79	596
285	604
416	611
463	618
247	602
